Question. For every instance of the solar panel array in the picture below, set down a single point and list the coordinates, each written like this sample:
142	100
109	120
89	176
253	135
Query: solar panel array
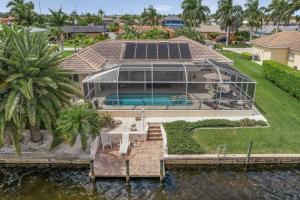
154	51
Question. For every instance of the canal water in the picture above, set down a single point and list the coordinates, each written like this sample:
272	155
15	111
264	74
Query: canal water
180	184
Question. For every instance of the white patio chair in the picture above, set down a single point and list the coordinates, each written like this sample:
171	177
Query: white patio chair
105	141
124	144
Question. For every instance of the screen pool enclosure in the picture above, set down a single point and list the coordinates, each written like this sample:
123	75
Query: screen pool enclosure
206	85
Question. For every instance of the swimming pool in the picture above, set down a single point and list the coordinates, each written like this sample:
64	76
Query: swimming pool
141	99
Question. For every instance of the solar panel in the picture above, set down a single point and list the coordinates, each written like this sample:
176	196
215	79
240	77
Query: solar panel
129	51
185	51
140	52
174	51
163	51
152	51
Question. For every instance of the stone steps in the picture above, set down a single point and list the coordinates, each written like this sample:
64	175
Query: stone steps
154	132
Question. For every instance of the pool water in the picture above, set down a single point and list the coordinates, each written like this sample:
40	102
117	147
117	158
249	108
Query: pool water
141	99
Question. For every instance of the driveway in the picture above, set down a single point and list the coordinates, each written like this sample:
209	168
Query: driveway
238	50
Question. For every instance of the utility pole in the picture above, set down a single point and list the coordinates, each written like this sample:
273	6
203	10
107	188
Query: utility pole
40	7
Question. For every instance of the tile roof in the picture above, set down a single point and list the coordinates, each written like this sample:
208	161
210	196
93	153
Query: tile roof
93	58
206	28
280	40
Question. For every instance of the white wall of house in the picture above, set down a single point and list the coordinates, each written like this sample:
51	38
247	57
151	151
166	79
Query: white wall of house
277	54
294	59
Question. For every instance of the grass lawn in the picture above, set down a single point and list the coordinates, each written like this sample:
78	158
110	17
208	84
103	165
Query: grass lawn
281	110
67	54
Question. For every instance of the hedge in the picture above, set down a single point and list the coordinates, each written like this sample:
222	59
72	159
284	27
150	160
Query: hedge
179	133
283	76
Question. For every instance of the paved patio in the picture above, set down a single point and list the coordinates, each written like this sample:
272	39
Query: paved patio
144	161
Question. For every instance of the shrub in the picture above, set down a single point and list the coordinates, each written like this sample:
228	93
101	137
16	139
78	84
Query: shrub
155	34
179	133
283	76
246	55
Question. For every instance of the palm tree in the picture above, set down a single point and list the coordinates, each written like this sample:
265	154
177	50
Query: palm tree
254	14
33	88
150	16
229	15
23	12
58	18
279	13
294	5
81	120
194	13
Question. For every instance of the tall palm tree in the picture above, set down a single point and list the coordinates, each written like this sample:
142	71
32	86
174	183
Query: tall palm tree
254	14
294	5
33	88
150	16
80	120
23	12
228	14
194	13
278	12
58	18
14	6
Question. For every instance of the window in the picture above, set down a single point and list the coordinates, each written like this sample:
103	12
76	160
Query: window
291	56
75	78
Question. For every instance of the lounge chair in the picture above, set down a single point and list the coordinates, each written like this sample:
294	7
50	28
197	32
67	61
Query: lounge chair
124	144
105	141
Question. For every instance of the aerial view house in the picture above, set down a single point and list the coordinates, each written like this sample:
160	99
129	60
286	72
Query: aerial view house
92	31
207	29
172	21
176	74
283	47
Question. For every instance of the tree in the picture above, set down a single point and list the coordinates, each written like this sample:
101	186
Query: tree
101	16
58	18
81	120
23	12
278	12
194	13
127	19
254	14
293	6
191	34
33	88
229	15
150	16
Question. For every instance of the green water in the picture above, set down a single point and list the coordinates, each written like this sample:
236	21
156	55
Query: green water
180	184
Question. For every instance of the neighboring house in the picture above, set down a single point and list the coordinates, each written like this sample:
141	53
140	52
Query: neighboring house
172	21
92	31
176	74
207	29
7	21
283	47
142	29
108	20
270	29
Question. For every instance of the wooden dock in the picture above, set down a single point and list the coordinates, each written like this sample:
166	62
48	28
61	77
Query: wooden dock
144	160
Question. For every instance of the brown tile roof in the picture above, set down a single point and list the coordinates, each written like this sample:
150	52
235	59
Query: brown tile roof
289	39
77	65
200	51
93	58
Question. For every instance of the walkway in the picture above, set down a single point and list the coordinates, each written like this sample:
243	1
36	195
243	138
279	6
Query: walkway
238	50
144	161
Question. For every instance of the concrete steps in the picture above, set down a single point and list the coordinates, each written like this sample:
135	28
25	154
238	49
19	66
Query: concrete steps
154	132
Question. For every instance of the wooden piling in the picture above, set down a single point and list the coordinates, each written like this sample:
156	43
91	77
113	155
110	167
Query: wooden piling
127	171
249	153
161	171
92	170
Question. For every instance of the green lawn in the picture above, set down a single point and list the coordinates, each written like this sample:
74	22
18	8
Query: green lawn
67	54
281	110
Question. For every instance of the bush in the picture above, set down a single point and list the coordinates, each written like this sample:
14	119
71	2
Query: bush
179	133
155	34
283	76
246	55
